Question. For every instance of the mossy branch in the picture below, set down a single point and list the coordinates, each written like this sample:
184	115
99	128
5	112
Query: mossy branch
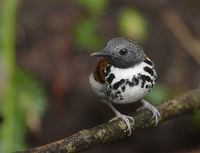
111	131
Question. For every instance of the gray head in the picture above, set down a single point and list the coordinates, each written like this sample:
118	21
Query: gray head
122	52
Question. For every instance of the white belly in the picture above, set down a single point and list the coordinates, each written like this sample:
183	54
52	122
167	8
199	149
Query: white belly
136	92
131	93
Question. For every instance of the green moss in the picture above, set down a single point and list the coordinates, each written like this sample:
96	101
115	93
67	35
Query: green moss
101	134
85	132
70	147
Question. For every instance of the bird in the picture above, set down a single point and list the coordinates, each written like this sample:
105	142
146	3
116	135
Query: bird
124	75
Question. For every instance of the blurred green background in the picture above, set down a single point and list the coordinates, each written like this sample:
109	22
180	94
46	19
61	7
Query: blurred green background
45	62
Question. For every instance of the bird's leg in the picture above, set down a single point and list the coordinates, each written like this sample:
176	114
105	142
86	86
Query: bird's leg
153	109
125	118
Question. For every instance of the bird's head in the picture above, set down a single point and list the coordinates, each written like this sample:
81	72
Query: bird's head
122	52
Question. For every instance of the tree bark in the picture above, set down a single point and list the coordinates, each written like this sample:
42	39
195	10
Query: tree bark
111	131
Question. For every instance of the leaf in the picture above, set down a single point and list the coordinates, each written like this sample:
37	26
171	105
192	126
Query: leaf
31	98
30	106
94	7
158	94
86	35
133	24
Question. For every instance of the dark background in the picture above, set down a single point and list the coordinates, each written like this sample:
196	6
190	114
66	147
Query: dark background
53	44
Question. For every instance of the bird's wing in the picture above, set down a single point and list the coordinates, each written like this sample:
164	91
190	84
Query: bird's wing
99	72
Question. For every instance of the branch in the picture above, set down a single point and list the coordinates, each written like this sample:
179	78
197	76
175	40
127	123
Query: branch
182	34
108	132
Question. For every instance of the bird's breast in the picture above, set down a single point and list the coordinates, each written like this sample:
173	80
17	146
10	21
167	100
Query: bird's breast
130	84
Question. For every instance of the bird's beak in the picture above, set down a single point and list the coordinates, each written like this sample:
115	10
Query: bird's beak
101	53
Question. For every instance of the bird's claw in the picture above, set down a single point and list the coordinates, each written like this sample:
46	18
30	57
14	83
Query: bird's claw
155	112
127	120
156	115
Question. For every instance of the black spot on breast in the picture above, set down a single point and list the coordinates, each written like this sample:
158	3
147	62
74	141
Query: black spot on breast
123	88
149	70
130	83
121	98
118	92
110	78
146	86
148	62
112	96
145	78
117	84
135	80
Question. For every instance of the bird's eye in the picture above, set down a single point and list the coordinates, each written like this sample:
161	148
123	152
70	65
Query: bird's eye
123	51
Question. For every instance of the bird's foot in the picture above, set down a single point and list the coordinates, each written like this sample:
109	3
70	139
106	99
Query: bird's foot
155	112
126	119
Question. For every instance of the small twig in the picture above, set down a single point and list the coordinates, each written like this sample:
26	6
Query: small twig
108	132
182	34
